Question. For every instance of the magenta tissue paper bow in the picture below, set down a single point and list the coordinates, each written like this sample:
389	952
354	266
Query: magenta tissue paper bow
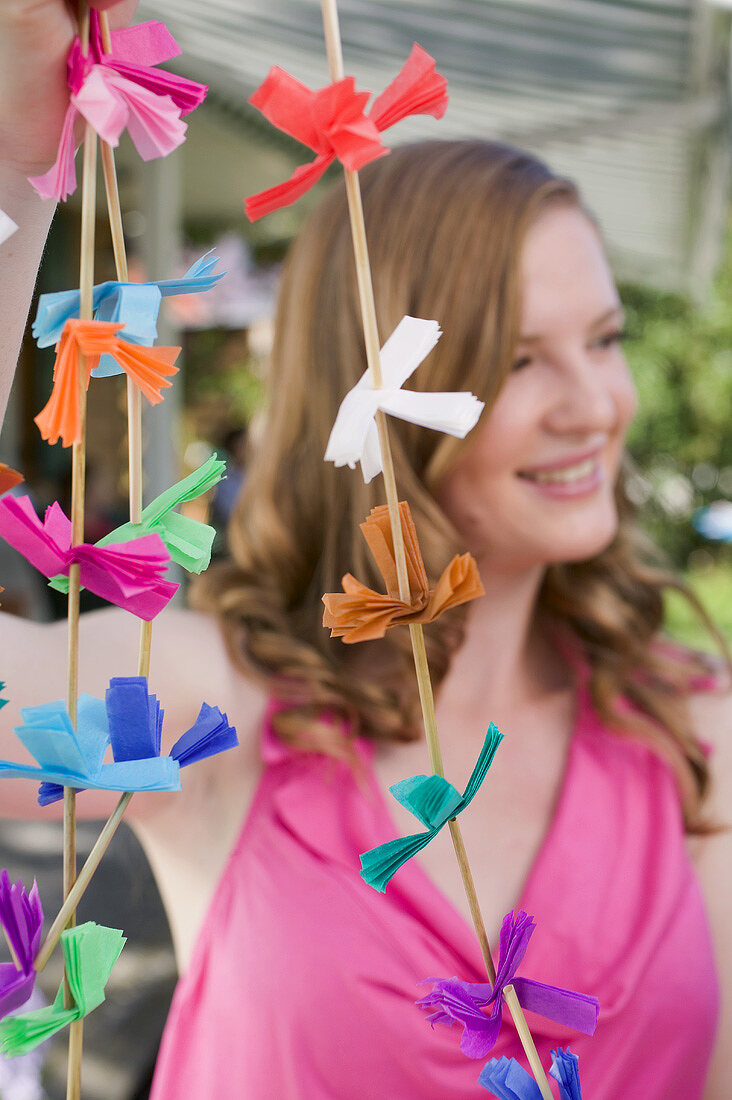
122	89
463	1002
21	915
129	574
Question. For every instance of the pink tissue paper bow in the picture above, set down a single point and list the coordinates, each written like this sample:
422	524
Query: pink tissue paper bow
129	574
331	121
122	89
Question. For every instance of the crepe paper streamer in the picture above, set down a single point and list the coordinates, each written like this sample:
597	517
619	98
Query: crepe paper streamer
7	227
130	575
331	121
358	614
508	1080
715	521
122	90
433	801
83	342
463	1002
133	305
21	915
188	541
131	721
354	437
565	1070
9	478
90	951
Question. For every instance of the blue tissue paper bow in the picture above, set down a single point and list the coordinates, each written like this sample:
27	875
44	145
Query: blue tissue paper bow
128	719
565	1070
508	1080
135	305
433	801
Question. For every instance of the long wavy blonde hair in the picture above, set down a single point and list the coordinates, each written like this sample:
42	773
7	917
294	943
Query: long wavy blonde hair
445	225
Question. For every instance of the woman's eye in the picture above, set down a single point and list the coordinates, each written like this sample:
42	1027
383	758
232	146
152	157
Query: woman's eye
524	361
610	339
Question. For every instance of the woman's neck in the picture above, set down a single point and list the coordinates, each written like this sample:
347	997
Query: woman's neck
505	652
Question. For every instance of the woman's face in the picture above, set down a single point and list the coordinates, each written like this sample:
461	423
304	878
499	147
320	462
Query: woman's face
535	485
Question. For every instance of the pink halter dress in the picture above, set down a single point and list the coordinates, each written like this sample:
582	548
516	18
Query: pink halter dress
303	981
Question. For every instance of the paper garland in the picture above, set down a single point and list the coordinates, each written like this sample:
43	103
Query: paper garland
331	121
354	437
82	343
90	952
358	614
433	801
135	306
122	90
455	1001
188	541
21	915
130	720
129	574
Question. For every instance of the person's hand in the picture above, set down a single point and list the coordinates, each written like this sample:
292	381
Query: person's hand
35	37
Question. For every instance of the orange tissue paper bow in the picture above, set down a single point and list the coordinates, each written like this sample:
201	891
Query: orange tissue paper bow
148	368
358	614
331	121
9	478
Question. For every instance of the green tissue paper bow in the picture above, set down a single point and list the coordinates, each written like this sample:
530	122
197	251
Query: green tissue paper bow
90	952
187	540
433	801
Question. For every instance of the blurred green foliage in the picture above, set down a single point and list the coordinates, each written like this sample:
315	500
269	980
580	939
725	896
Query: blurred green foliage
680	353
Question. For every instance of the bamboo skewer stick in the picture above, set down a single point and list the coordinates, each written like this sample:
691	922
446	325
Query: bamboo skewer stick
86	284
82	881
13	956
134	397
371	336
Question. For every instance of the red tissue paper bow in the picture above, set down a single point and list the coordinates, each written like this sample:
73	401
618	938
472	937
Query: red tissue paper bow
331	121
147	367
122	90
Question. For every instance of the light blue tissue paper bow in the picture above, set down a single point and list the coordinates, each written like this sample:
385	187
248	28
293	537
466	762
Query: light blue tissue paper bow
433	801
130	720
135	305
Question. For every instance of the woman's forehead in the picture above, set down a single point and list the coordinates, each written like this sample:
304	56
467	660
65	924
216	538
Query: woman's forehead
565	274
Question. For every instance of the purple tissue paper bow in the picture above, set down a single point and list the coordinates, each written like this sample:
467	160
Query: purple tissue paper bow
463	1002
21	915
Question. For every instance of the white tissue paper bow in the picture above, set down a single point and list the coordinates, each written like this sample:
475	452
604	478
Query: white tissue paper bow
354	437
7	227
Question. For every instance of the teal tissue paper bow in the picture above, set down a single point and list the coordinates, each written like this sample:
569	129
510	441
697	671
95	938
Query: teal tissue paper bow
188	541
433	801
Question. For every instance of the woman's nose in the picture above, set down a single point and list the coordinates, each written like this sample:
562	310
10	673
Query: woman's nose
584	397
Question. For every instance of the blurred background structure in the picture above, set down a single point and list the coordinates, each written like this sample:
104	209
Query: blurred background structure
631	98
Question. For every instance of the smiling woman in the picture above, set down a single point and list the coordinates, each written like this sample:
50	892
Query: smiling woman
299	981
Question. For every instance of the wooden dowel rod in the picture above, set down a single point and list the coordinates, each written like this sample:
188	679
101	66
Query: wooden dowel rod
13	956
82	881
78	474
527	1042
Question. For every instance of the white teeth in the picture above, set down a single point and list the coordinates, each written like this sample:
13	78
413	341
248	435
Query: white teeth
567	473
